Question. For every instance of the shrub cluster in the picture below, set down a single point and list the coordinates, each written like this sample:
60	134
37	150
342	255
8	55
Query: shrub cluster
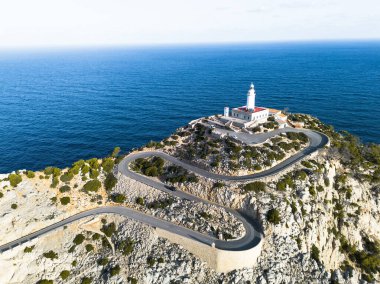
161	203
65	200
14	179
126	246
255	186
118	198
150	167
273	216
64	274
51	255
110	182
78	239
92	186
109	229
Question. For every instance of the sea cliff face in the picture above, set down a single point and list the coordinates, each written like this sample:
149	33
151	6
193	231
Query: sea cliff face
320	220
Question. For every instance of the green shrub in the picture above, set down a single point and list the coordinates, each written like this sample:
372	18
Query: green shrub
1	194
312	191
94	164
51	255
126	246
255	186
115	270
110	182
86	280
30	174
65	200
307	164
45	281
150	261
52	171
64	274
109	229
78	239
151	171
75	170
108	165
320	188
273	216
132	280
85	169
79	163
14	206
102	261
118	198
74	263
14	179
140	201
64	188
94	173
205	215
66	177
294	207
160	260
95	236
53	199
315	253
28	249
92	186
218	184
89	247
281	185
54	182
301	175
115	152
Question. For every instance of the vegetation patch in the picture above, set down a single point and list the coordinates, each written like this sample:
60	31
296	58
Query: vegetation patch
110	182
126	246
65	200
28	249
118	198
30	174
14	179
102	261
109	229
64	274
273	216
108	165
51	255
115	270
78	239
255	186
92	186
64	188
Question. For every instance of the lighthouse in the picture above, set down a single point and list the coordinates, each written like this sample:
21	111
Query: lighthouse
251	95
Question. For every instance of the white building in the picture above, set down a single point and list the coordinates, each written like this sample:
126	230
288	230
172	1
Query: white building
249	114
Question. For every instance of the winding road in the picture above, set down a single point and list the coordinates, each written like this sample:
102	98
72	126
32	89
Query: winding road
252	236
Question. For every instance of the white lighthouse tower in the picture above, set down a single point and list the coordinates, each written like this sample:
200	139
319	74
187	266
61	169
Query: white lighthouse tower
251	95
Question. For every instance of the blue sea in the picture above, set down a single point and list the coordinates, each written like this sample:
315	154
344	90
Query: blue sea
58	106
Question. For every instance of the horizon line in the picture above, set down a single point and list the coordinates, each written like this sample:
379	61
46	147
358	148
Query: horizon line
184	44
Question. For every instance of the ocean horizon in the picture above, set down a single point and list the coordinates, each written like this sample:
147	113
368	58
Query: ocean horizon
62	105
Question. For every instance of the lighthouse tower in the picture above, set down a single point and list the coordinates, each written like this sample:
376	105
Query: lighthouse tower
251	95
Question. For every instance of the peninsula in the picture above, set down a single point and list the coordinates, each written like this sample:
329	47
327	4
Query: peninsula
253	195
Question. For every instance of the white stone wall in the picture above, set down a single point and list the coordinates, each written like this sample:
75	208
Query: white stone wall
222	261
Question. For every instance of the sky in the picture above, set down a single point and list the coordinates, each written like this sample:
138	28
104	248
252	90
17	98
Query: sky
31	23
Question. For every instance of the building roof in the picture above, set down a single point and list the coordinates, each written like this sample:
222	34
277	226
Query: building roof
245	109
272	110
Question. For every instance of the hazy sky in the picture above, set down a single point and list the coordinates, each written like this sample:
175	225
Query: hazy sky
124	22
